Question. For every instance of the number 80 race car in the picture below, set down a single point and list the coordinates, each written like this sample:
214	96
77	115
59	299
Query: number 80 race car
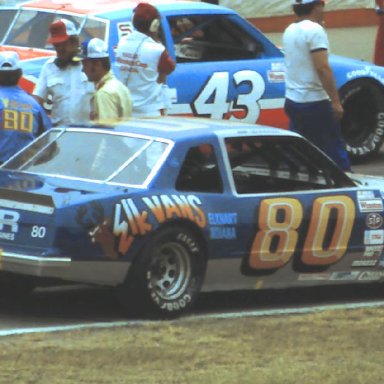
163	209
226	68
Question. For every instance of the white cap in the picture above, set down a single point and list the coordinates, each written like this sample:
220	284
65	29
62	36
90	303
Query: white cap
9	61
94	49
299	2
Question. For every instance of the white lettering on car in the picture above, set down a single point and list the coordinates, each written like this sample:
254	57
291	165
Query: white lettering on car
9	220
212	101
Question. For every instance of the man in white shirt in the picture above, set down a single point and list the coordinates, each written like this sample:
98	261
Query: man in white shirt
144	62
62	81
312	100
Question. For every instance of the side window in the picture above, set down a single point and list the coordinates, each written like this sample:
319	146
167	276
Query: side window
211	38
199	171
93	28
280	164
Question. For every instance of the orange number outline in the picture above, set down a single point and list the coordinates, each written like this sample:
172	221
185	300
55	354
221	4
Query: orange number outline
263	258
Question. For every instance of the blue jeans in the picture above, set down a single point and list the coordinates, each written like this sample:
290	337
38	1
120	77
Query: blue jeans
315	121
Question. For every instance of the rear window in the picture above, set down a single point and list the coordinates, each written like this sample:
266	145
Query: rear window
91	155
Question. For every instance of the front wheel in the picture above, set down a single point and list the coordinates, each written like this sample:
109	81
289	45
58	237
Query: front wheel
166	278
362	126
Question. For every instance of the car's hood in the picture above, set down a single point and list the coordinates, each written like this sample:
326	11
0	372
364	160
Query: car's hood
348	69
31	61
367	180
28	53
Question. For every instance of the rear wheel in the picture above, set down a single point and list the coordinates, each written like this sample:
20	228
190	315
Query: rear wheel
166	278
362	126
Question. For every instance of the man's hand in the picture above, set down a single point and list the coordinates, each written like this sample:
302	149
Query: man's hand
338	110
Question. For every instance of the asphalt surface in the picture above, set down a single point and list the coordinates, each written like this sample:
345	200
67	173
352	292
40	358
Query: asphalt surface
374	166
85	307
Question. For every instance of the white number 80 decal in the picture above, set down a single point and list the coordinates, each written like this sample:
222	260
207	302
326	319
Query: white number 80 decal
38	231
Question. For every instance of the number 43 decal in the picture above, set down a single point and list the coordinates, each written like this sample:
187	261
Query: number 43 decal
278	235
212	101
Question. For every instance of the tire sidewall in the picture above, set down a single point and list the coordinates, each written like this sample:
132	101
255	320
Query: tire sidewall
151	302
374	139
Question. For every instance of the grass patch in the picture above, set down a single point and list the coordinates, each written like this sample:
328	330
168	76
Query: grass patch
332	347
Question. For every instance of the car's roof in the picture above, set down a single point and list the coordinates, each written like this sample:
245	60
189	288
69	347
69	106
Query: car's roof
100	7
187	128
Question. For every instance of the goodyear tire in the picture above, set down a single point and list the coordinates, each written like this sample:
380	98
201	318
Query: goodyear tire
362	126
166	278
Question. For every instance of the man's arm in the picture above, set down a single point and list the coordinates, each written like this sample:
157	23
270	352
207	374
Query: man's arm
321	63
41	88
39	99
166	64
379	7
44	122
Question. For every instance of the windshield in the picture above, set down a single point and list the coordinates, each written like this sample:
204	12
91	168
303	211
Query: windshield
29	28
92	155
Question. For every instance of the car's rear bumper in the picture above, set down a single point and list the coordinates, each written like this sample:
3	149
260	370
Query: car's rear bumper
96	272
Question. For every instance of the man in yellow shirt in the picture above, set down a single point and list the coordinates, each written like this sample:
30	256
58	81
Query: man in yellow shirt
112	100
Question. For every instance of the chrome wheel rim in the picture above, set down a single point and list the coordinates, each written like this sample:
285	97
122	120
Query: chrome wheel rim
170	271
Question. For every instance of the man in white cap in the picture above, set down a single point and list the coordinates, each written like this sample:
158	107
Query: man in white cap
112	99
312	100
22	117
62	81
144	63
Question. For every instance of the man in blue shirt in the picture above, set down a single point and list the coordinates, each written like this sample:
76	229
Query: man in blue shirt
22	118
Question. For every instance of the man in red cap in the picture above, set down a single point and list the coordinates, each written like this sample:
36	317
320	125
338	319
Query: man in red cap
62	81
144	63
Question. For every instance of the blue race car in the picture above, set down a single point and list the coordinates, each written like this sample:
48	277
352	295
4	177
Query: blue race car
226	68
163	209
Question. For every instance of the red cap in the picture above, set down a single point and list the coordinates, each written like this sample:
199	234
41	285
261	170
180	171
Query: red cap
144	14
61	30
